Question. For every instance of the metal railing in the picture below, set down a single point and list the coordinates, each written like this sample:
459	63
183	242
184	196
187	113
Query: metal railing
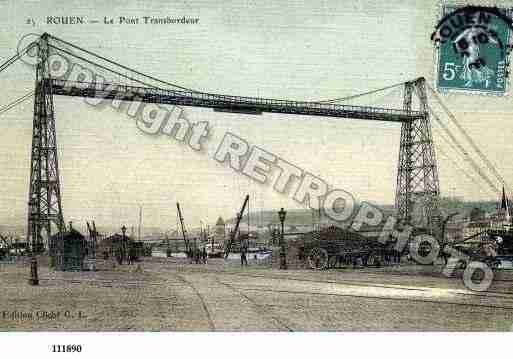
227	102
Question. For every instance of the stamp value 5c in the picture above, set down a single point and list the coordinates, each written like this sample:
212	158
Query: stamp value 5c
473	45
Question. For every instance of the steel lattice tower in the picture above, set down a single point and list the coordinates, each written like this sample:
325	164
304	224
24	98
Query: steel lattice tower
44	206
418	188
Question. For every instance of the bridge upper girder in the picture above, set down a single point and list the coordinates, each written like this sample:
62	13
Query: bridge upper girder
248	105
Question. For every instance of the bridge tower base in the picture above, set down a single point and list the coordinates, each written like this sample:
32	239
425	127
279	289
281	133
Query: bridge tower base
418	188
44	202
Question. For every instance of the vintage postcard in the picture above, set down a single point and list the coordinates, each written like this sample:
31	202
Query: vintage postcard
269	166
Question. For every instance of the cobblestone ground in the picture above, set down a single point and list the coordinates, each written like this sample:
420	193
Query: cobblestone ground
172	295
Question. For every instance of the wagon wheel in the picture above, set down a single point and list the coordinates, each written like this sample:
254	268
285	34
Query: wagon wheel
333	261
461	264
318	258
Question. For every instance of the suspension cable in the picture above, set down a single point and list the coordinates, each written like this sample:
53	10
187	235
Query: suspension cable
469	159
102	67
16	57
124	67
200	92
16	102
153	86
487	162
341	99
9	62
440	150
126	76
184	88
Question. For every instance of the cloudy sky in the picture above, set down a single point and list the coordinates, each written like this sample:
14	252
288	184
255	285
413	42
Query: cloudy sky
288	49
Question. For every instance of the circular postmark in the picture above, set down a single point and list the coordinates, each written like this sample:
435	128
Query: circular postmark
473	44
469	29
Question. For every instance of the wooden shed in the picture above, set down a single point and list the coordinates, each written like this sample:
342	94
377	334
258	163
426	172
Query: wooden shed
68	250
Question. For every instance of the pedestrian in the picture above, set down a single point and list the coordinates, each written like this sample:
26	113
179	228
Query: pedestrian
119	256
131	254
365	259
204	254
243	258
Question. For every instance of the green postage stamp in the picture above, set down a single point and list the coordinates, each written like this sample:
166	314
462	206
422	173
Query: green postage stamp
473	44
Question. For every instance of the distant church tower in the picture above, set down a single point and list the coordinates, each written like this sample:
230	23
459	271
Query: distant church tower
504	211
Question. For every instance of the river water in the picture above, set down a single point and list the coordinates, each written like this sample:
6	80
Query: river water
260	256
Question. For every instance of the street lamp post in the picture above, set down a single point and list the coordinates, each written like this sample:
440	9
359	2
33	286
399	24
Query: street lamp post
283	259
123	246
34	279
168	250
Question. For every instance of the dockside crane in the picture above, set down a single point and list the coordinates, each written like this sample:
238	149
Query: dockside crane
185	239
93	236
236	229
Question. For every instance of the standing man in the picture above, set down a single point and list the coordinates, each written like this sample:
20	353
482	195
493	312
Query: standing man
197	255
243	258
119	254
204	255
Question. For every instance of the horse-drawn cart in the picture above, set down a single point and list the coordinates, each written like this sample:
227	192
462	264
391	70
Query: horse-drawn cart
333	247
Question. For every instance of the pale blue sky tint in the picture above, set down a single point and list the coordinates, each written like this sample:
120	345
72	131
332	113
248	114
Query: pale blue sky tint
279	49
